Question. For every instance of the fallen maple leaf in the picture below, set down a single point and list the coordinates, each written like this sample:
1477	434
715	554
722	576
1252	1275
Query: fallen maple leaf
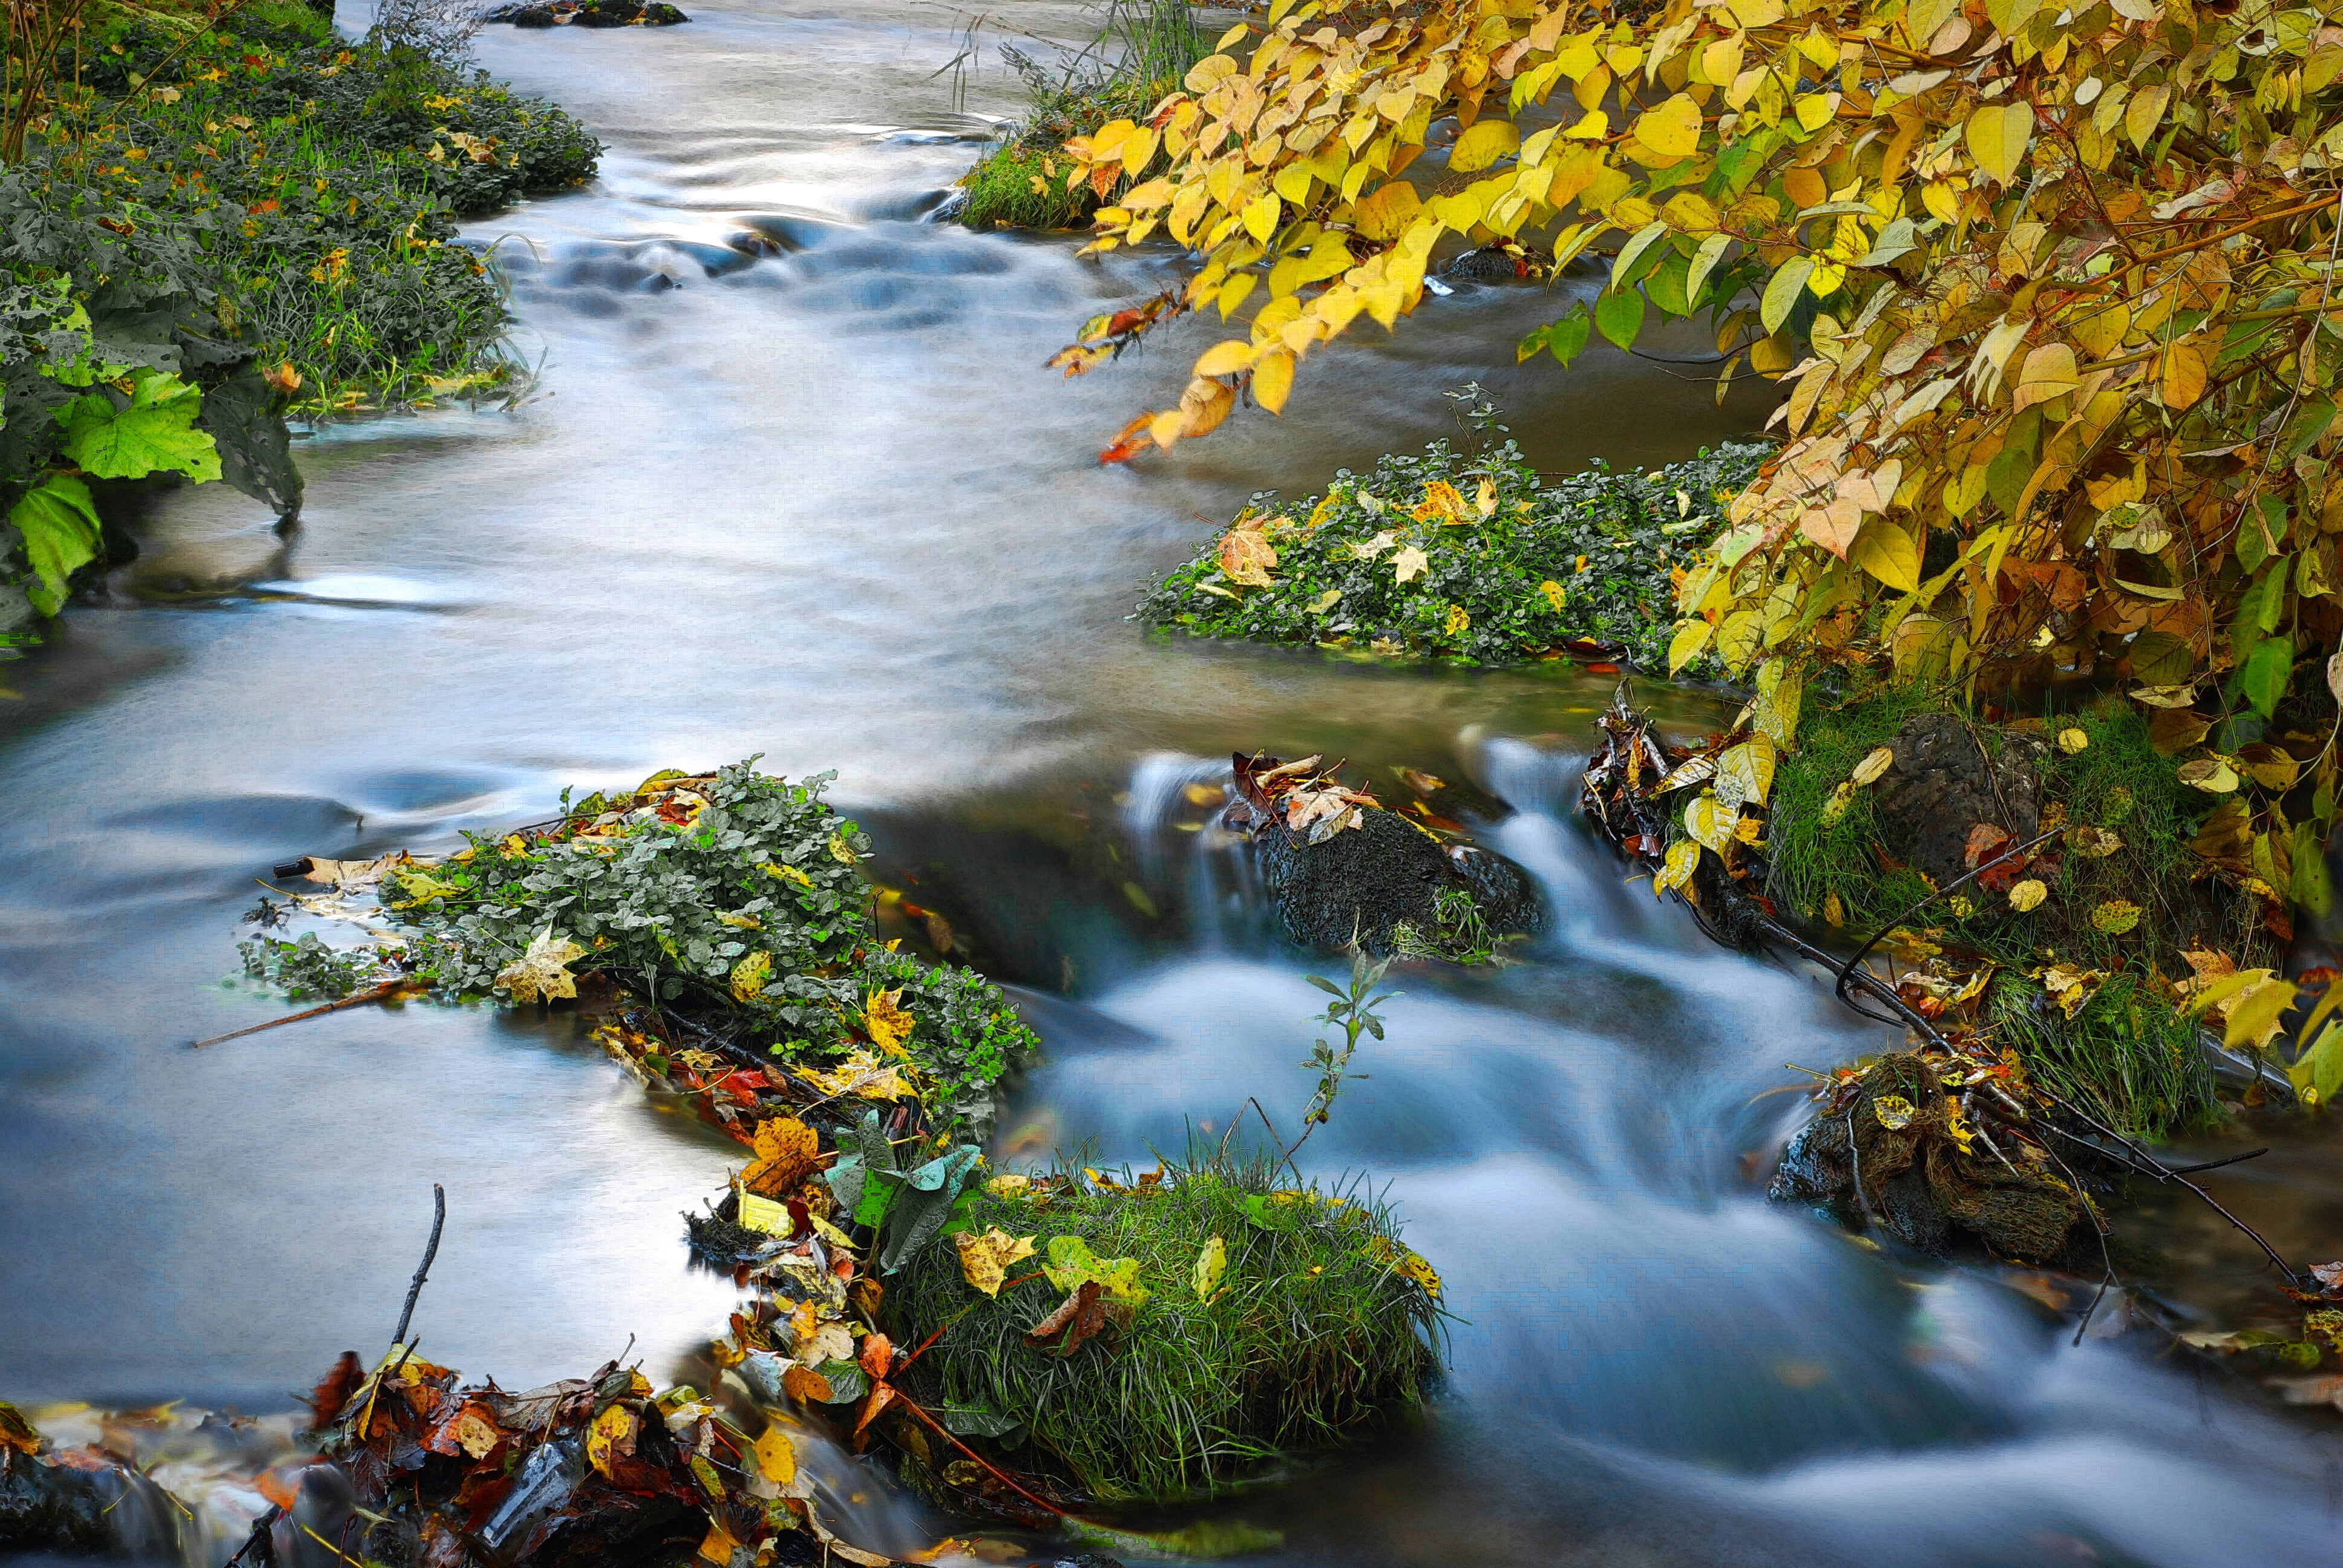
787	1152
1080	1315
886	1021
542	973
611	1437
860	1073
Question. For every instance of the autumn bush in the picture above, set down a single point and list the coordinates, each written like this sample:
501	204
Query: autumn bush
1463	553
2045	289
1255	1319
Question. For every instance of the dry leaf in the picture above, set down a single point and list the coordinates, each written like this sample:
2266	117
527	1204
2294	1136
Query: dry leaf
884	1019
984	1260
2028	895
1873	765
541	972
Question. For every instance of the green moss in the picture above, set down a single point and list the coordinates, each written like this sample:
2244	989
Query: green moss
2127	1050
1317	1332
1023	184
1592	556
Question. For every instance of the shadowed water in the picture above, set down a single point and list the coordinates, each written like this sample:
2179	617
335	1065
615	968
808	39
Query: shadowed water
793	483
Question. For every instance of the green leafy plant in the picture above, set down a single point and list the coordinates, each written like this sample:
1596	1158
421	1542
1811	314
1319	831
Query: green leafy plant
1459	933
1464	553
306	967
909	1206
1353	1011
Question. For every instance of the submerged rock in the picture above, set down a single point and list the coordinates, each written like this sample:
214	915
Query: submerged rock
588	14
1946	780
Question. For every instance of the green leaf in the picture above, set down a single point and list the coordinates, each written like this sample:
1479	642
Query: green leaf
1564	339
1620	316
2311	888
156	433
1703	262
1782	292
2268	669
59	523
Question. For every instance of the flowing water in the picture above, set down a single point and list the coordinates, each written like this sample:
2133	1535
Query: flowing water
792	483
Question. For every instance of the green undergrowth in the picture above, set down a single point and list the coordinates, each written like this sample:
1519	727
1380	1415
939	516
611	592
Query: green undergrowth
1511	566
734	899
1142	50
220	218
1318	1326
2121	920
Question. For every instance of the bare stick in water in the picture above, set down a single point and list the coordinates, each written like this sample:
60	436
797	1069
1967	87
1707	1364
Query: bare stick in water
388	991
423	1269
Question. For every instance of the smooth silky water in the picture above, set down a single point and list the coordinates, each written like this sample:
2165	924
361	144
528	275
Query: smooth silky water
792	482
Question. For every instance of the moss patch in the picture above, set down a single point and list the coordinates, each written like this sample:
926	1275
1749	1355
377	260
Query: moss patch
1320	1326
2124	919
1461	554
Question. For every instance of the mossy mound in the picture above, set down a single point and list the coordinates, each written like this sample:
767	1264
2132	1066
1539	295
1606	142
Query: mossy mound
1315	1328
1461	555
2083	984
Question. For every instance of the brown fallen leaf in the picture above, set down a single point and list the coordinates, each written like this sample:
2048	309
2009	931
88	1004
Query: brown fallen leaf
877	1355
788	1150
1080	1315
805	1385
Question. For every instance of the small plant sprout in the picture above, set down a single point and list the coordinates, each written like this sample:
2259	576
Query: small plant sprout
1353	1011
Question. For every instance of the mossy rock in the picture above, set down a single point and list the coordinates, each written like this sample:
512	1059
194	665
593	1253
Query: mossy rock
1366	883
1319	1330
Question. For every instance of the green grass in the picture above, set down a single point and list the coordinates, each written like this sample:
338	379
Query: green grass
2126	1050
1142	50
1316	1334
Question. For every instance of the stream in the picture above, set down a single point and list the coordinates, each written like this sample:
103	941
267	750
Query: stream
792	482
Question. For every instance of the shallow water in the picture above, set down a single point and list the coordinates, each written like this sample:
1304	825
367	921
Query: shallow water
811	497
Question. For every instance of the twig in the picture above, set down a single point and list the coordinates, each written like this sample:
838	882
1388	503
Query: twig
387	990
992	1469
423	1269
260	1528
2215	1164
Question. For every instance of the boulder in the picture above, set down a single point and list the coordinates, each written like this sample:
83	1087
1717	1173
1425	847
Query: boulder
1385	872
1948	777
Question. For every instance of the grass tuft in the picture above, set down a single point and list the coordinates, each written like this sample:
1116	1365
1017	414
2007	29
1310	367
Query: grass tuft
1323	1324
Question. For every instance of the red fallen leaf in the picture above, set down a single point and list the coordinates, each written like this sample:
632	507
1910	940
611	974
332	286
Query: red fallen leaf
1129	441
878	1356
1603	670
333	1390
881	1396
1986	842
269	205
1080	1315
280	1486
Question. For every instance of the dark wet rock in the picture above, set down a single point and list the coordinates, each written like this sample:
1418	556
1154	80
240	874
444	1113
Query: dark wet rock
1496	264
1917	1181
1946	780
588	14
57	1509
1383	873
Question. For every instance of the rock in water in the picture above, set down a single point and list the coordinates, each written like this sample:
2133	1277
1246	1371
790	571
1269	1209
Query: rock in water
1385	873
1944	780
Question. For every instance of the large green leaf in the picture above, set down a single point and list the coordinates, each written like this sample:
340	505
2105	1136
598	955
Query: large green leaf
2267	668
1619	315
59	524
156	433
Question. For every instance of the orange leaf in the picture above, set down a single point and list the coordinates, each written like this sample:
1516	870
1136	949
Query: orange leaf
877	1355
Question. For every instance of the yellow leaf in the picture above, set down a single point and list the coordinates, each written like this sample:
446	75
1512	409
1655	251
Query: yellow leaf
1138	150
611	1436
751	976
2071	741
1706	820
860	1073
777	1456
1382	215
541	972
2115	916
1459	621
788	873
1893	1112
1682	859
2188	366
886	1021
1745	773
2048	372
1689	640
1485	501
1211	1264
2028	895
1835	805
1997	136
2213	775
1261	215
984	1260
1888	553
1671	130
755	1212
1225	358
1482	144
1273	380
1205	72
1409	564
2254	1015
